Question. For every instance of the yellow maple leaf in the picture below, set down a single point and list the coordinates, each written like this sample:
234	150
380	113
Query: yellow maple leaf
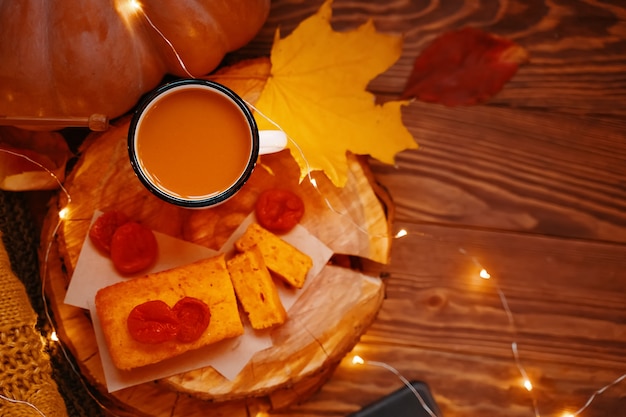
317	94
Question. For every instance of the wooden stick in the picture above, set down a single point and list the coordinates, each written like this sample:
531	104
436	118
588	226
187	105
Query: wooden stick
95	122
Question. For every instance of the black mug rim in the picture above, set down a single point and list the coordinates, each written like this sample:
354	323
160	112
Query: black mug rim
210	200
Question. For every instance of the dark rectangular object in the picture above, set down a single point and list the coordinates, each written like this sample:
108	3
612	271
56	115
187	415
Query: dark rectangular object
402	403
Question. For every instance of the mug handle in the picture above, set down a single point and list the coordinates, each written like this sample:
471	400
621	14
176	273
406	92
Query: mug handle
271	141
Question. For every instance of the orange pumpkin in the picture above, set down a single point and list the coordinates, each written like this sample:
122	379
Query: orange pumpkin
80	57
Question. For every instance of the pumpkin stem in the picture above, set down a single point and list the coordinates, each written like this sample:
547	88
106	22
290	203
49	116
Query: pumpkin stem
95	122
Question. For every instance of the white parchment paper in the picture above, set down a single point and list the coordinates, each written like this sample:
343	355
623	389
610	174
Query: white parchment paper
95	271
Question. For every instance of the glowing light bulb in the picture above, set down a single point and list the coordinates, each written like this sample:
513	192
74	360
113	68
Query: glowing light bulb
528	385
63	213
401	233
484	274
127	9
54	337
357	360
566	414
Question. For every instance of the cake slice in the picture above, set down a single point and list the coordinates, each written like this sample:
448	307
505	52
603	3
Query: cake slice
256	290
281	258
207	280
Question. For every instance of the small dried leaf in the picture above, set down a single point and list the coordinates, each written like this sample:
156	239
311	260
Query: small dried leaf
464	67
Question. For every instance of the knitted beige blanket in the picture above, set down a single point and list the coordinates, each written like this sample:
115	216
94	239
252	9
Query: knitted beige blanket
26	382
27	360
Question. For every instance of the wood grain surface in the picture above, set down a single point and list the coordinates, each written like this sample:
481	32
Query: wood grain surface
530	186
545	155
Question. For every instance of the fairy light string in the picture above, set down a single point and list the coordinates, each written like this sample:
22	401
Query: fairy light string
509	314
63	215
507	309
131	7
596	393
526	382
128	8
343	213
24	403
357	360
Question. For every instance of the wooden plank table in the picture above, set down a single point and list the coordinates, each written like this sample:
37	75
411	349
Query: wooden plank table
530	186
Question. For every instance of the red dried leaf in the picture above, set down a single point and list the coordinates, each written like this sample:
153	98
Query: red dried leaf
464	67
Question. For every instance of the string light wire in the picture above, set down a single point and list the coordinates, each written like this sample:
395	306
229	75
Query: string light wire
136	6
26	403
50	322
39	165
514	348
599	392
400	234
62	215
313	182
360	361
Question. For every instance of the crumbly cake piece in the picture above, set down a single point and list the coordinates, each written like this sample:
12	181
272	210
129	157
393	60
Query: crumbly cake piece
256	290
207	280
280	257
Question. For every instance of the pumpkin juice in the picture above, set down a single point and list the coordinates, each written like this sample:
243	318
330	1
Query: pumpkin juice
193	143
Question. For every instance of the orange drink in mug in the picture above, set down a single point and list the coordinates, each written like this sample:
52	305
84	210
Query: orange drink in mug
195	143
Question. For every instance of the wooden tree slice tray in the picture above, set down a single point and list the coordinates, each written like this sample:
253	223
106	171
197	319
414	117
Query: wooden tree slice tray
323	325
